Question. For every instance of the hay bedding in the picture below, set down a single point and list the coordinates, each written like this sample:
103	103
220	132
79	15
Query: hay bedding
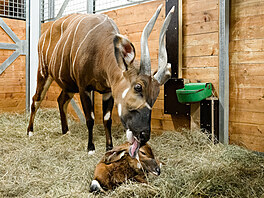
55	165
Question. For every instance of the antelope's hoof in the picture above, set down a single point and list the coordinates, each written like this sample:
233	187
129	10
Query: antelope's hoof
67	133
30	134
91	152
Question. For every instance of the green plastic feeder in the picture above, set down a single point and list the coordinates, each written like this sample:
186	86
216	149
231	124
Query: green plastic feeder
194	92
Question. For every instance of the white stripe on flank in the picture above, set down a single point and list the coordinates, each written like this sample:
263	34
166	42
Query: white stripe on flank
73	40
62	54
39	54
53	57
47	51
83	42
42	56
55	51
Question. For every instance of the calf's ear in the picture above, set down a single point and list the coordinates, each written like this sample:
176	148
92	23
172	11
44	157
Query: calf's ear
114	156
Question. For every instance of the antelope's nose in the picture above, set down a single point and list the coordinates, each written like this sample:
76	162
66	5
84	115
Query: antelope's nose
144	136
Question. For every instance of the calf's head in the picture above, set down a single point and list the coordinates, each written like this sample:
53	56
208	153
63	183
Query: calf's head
139	88
144	160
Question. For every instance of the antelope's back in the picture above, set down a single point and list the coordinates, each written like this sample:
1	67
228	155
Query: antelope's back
76	44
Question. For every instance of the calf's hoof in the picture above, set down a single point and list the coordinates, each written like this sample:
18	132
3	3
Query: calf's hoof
95	187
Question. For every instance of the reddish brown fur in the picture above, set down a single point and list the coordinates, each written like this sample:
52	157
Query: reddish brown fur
117	166
85	53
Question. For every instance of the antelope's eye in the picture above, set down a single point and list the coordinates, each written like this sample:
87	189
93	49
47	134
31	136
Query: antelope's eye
138	87
143	153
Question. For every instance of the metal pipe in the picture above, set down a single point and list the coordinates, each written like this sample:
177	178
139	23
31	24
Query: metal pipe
224	71
27	57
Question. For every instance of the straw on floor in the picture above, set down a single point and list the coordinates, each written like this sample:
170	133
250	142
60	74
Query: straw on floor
54	165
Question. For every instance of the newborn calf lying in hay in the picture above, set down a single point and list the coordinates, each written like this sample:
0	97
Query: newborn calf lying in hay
117	166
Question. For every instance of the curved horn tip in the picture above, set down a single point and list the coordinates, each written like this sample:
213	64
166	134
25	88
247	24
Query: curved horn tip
172	9
160	6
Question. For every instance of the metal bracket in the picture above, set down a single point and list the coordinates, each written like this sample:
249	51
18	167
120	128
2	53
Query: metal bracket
20	46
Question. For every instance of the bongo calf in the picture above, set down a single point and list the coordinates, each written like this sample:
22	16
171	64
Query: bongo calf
117	166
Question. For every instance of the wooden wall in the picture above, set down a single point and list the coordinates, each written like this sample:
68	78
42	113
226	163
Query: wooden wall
200	63
13	80
200	41
247	74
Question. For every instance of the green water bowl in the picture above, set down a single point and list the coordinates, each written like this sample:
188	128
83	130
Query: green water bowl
194	92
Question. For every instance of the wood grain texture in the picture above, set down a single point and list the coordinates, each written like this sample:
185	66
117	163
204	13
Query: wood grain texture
247	74
13	80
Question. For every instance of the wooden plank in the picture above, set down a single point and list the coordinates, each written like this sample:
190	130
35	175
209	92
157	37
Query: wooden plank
240	69
248	135
245	10
139	26
200	50
202	39
248	129
247	82
255	32
247	117
201	61
247	105
198	6
248	21
200	28
247	93
142	12
247	141
247	57
199	17
253	45
244	2
204	72
175	123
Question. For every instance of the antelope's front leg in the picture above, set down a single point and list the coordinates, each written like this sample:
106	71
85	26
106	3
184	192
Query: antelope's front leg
88	109
108	103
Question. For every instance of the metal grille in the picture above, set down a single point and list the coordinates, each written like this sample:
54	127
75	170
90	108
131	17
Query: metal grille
51	8
15	9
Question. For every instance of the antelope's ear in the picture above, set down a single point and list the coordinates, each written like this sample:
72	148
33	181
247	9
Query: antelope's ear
113	156
124	52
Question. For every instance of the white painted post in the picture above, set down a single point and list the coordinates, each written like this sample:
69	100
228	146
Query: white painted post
33	31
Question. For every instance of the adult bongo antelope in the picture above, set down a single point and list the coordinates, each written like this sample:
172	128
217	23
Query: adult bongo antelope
85	53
